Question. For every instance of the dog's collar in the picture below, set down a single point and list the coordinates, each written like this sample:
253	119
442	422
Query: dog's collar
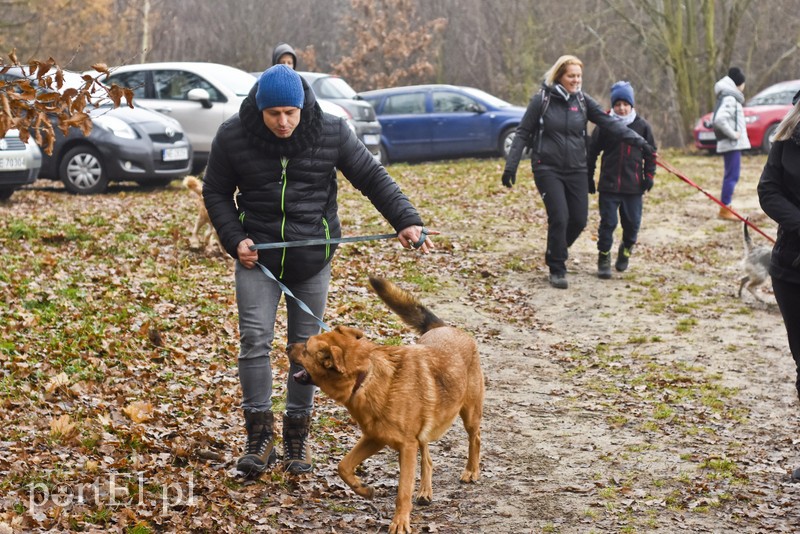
359	380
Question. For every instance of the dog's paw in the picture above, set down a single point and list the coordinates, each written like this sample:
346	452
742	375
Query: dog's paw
469	476
365	490
401	524
423	500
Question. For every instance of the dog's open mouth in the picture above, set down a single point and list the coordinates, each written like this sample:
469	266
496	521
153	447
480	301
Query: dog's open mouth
303	378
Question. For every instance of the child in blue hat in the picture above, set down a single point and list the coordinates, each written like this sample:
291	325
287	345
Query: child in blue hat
626	173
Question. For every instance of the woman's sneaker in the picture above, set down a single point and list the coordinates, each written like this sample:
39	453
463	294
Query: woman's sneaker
559	281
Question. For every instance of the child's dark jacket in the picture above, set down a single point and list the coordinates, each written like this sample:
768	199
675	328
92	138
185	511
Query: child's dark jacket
625	169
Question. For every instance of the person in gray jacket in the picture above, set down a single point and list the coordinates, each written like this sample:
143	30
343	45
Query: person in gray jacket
272	177
729	118
284	54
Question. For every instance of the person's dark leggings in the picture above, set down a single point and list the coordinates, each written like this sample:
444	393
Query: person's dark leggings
629	208
788	297
566	199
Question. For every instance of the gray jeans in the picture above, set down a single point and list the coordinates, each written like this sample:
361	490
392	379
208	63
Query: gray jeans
257	298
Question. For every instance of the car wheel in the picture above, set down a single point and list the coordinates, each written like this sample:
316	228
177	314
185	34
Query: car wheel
766	144
384	155
5	194
82	171
506	138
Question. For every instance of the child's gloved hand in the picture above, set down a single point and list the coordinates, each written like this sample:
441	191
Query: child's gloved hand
647	184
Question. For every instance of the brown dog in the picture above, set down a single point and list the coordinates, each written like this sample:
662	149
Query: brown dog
400	396
196	240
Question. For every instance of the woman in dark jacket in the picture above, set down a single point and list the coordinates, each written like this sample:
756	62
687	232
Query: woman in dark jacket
271	177
554	126
779	194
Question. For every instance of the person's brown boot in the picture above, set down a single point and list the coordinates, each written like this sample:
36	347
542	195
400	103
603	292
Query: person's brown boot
726	214
260	451
296	450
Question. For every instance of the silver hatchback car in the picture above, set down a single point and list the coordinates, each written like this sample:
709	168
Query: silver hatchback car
19	163
200	96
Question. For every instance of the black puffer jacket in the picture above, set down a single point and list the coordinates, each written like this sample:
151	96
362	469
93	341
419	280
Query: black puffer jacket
246	160
563	136
625	169
779	194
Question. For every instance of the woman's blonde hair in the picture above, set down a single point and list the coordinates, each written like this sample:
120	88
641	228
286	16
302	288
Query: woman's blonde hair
558	69
788	124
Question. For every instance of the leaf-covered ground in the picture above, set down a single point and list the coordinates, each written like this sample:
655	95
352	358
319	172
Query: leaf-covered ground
657	401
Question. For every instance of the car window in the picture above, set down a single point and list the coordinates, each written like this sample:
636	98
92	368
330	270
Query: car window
133	80
487	98
782	98
447	102
408	104
176	84
333	87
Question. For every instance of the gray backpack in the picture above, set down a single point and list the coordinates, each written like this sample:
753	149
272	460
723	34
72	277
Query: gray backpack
718	132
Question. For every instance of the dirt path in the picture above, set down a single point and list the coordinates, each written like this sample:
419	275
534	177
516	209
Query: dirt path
657	401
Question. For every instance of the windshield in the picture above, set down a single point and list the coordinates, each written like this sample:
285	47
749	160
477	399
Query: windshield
332	87
771	98
486	97
238	81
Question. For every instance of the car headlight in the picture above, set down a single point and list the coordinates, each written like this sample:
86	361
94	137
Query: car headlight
750	119
116	126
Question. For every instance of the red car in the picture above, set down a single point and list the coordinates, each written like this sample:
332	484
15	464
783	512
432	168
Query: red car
762	113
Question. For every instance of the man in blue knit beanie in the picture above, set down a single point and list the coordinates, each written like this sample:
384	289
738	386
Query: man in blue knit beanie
280	98
272	178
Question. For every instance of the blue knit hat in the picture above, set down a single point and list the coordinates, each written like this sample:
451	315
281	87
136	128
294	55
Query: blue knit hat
622	91
279	86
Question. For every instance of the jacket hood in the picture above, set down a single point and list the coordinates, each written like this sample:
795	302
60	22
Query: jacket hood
281	49
726	87
306	134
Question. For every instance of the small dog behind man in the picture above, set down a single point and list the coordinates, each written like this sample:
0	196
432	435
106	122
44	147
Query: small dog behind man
755	266
203	232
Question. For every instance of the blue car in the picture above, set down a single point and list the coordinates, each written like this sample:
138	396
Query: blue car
422	122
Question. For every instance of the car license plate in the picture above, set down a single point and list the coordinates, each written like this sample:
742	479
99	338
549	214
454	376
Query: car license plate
372	139
16	163
175	154
706	136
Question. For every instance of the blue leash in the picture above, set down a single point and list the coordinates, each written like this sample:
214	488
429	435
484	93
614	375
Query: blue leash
288	293
311	242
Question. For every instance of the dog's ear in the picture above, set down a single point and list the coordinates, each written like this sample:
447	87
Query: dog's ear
332	358
350	331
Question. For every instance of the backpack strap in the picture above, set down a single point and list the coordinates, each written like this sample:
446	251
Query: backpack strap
542	109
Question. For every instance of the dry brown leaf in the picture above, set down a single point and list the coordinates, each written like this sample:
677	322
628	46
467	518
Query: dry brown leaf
63	427
139	411
59	381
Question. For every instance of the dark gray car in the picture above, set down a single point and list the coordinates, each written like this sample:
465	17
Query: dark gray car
336	90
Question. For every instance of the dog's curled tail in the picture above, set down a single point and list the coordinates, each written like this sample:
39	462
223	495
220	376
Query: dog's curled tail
192	183
405	305
748	243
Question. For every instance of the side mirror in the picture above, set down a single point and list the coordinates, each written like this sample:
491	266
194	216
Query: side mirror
475	108
200	95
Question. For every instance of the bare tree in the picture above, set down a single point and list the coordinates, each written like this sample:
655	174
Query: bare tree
390	44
